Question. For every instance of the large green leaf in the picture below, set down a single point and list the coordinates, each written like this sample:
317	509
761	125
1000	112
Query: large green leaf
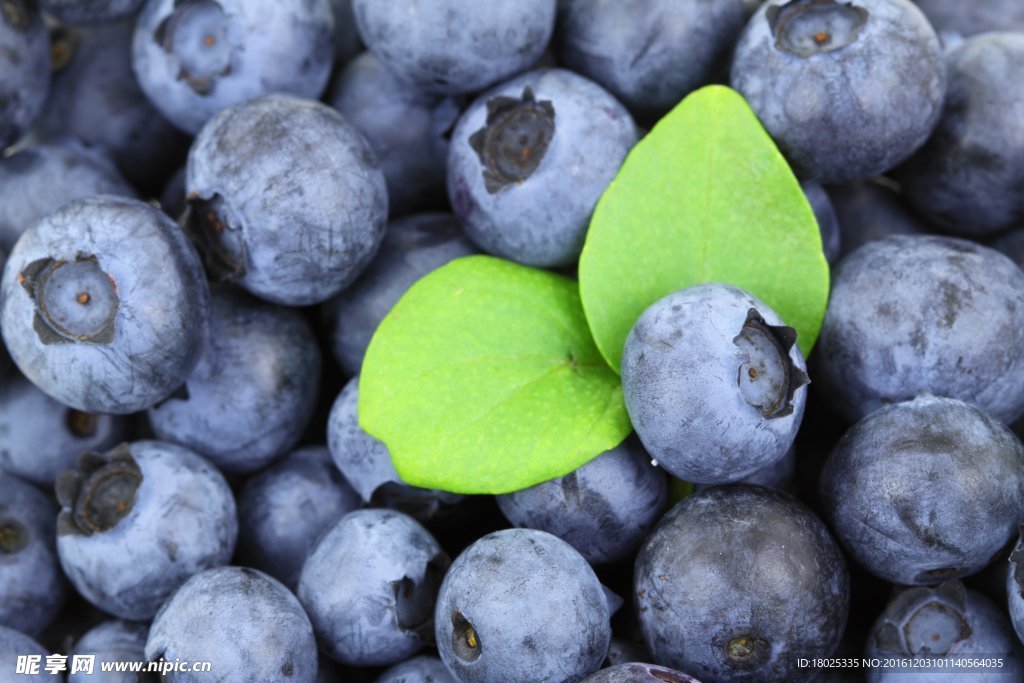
484	379
705	197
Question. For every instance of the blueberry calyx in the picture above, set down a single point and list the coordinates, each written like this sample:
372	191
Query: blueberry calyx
808	27
767	377
208	224
747	651
935	626
81	424
63	46
99	493
75	301
514	140
16	13
465	642
414	600
13	537
195	33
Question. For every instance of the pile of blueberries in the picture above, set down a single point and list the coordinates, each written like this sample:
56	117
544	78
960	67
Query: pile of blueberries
208	206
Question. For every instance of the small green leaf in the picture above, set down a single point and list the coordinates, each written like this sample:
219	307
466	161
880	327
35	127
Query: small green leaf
484	379
705	197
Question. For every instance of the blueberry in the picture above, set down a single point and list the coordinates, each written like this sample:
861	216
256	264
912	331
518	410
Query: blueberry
14	644
948	621
825	215
369	587
737	582
968	176
421	669
455	46
32	588
925	490
286	199
365	462
140	520
635	672
25	64
846	89
96	98
602	509
197	57
713	383
650	54
113	640
871	210
407	128
959	18
253	392
40	437
38	180
104	305
272	536
90	11
1015	587
528	161
245	623
924	313
413	246
521	605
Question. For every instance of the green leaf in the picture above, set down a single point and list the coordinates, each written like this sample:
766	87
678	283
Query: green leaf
705	197
484	379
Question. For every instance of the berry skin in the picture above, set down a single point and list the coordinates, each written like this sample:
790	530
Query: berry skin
794	597
967	177
926	490
528	161
14	644
104	305
252	629
271	536
910	314
286	199
452	46
39	179
603	509
32	588
545	634
408	129
90	11
113	640
714	383
194	59
138	521
652	53
369	587
25	64
40	437
240	414
848	90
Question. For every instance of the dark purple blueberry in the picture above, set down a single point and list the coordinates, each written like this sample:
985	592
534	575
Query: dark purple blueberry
194	58
286	199
138	521
272	537
32	588
104	305
737	583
